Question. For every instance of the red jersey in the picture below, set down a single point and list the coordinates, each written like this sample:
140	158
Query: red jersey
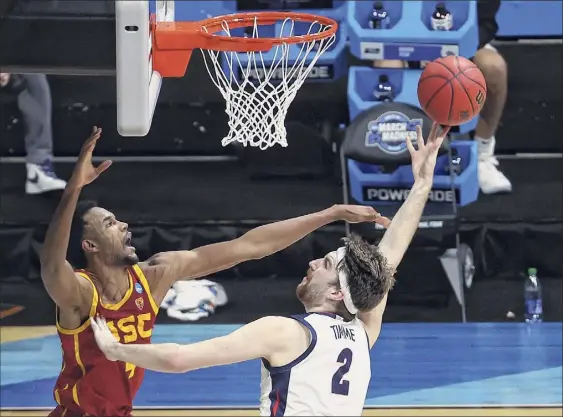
89	384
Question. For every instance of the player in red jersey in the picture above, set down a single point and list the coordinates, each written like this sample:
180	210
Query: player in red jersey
114	284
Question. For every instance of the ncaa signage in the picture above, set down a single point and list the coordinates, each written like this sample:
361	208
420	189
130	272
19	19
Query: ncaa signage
398	195
390	132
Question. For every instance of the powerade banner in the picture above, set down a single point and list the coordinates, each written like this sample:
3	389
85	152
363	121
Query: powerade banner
318	72
397	195
390	131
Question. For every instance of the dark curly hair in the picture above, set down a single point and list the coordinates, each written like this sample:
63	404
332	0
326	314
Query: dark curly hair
369	276
75	254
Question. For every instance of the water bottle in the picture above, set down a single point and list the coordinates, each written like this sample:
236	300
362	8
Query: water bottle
533	308
379	19
441	19
384	90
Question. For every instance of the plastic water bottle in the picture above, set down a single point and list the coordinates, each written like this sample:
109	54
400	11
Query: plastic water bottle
379	19
441	19
533	308
384	91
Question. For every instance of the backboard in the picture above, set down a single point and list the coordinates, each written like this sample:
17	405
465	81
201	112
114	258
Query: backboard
138	86
142	62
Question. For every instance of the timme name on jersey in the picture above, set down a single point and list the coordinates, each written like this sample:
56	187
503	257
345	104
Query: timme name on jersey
330	378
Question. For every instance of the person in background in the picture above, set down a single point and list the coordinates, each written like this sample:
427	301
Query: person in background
34	102
494	69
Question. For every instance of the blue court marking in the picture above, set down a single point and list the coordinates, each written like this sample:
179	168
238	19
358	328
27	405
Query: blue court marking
412	365
528	388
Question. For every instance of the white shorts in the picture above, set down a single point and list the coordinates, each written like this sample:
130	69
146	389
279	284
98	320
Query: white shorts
489	46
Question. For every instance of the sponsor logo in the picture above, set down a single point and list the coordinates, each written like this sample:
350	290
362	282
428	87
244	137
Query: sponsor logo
390	132
396	195
140	303
318	72
138	288
480	98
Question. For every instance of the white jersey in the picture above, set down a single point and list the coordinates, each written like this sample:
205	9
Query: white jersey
330	378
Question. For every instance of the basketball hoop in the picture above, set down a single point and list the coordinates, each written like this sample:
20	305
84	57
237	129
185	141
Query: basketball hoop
258	102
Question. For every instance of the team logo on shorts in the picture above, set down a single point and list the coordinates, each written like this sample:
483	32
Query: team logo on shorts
138	288
140	303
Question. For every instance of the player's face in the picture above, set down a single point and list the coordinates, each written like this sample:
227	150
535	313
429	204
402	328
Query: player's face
319	282
108	237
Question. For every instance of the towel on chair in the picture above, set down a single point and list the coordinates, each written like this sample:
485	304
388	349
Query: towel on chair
194	299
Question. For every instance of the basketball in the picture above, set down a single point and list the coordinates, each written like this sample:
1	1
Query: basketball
452	90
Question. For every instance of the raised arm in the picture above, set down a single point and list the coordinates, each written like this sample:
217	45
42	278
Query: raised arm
57	274
400	232
262	338
262	241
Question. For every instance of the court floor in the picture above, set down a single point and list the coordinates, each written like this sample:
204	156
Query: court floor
383	412
418	369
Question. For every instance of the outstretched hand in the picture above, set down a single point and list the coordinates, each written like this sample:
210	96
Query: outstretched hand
105	340
84	171
423	158
360	214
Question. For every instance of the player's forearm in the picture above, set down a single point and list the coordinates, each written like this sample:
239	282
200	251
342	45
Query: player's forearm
399	234
271	238
53	253
164	357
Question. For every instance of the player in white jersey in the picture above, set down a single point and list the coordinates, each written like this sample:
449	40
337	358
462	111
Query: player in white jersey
330	378
317	363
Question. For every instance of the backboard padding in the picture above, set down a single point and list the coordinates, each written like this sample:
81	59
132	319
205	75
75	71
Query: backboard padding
138	86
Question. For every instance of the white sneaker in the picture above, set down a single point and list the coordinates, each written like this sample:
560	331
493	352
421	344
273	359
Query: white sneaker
491	180
42	179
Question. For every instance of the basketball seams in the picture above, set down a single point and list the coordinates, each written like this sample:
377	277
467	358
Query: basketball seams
468	96
433	76
446	67
463	71
451	101
436	93
476	82
456	103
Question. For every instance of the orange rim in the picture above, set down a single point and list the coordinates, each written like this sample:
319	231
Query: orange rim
173	42
194	36
238	20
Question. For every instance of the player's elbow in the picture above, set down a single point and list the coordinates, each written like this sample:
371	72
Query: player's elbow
178	362
247	249
176	366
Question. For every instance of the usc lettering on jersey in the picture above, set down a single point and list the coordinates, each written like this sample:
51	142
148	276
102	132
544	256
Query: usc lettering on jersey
89	384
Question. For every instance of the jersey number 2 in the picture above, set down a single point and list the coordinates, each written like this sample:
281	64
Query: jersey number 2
341	386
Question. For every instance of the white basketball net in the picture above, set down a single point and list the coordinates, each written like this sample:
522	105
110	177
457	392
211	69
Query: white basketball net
259	98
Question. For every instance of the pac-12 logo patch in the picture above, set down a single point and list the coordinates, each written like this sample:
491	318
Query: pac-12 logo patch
390	132
138	288
140	303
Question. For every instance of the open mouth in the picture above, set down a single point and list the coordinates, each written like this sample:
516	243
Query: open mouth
128	239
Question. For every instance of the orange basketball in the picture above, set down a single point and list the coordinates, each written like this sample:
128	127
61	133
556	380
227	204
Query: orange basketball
452	90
